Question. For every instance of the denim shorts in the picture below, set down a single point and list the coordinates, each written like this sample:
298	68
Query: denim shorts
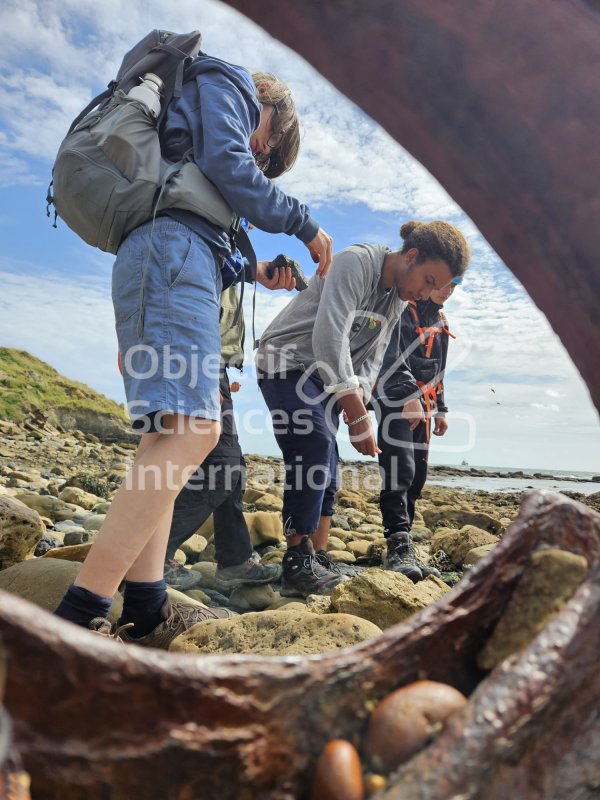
166	289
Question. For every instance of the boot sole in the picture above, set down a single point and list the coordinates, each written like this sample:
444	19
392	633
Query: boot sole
416	577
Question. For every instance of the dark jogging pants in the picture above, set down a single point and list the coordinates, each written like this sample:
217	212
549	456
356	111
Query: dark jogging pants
216	488
305	423
403	467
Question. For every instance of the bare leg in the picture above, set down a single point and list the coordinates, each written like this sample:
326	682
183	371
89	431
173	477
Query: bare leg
150	564
143	504
321	536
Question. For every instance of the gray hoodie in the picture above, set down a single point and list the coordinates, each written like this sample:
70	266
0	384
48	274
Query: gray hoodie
339	326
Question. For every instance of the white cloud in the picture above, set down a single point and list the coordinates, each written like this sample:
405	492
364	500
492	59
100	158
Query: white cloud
63	53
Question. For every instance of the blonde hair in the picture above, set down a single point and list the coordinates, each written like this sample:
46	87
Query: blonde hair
273	92
437	240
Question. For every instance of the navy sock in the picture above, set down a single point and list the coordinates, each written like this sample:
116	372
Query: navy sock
142	602
81	606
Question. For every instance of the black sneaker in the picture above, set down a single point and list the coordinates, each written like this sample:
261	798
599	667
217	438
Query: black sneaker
401	557
303	574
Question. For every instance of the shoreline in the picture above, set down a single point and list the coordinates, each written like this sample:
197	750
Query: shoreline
468	471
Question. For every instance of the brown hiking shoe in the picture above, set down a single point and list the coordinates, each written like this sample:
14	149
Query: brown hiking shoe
177	618
103	627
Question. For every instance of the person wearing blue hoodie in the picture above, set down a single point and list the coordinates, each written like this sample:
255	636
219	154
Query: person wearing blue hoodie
167	279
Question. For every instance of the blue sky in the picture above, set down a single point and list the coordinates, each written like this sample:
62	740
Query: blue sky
55	295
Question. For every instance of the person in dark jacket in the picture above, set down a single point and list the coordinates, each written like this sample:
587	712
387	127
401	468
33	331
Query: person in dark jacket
413	366
167	280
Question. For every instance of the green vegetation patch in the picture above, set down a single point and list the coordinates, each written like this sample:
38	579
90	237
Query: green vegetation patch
27	384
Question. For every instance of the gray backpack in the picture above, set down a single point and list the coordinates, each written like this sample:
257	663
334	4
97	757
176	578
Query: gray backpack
109	176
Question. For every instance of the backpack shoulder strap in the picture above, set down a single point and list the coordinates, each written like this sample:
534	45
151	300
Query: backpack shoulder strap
105	95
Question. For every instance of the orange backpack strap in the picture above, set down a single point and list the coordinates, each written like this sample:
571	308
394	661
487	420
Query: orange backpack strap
429	395
412	307
445	326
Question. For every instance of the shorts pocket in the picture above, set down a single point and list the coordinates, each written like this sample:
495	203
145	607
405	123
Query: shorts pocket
126	283
178	253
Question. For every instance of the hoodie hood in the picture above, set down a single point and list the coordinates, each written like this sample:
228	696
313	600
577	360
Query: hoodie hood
240	77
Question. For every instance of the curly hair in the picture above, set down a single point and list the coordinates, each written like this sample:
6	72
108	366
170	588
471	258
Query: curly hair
437	240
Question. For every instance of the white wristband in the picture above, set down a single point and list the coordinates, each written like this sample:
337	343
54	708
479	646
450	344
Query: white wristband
357	420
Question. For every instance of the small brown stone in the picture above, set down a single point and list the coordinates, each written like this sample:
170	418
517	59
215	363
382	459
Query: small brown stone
407	719
338	775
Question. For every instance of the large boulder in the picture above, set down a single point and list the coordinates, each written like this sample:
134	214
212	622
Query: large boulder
20	530
350	501
275	634
93	522
359	547
29	479
456	544
43	581
384	597
48	506
264	527
477	554
208	571
253	598
193	548
268	502
335	543
79	497
252	494
342	555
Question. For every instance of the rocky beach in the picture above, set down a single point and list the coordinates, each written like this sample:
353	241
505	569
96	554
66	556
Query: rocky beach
56	486
506	597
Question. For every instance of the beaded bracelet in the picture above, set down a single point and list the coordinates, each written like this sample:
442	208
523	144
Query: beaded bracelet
357	420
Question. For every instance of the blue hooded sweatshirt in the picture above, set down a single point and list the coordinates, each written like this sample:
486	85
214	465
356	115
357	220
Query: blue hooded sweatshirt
216	114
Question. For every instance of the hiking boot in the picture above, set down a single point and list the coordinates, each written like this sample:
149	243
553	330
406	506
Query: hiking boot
427	570
302	574
178	577
401	557
102	626
177	618
248	573
325	560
